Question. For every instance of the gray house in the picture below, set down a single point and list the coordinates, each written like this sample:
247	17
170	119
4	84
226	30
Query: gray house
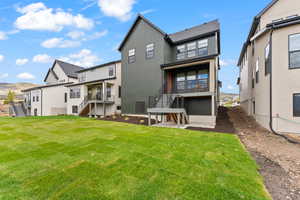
174	75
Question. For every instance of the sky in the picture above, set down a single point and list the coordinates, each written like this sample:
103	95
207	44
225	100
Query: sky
88	32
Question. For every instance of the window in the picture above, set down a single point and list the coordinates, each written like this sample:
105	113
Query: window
191	80
131	56
111	71
82	77
191	49
296	105
35	112
74	109
267	60
257	71
108	91
150	51
181	52
203	78
33	98
120	95
74	93
203	47
37	98
180	81
294	51
118	107
66	97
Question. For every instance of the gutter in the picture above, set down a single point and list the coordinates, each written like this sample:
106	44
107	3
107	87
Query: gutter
271	92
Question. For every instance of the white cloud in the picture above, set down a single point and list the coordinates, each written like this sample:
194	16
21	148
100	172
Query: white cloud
84	58
96	35
145	12
3	35
227	62
120	9
42	58
2	76
75	34
59	43
1	58
37	16
230	87
21	61
25	75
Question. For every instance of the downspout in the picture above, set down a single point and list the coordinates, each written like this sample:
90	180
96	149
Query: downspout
41	102
271	92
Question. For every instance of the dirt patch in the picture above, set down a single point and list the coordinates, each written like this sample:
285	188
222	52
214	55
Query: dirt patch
279	160
223	124
129	119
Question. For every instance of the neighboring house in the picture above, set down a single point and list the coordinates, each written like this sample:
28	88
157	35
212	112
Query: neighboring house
98	91
270	67
51	98
173	75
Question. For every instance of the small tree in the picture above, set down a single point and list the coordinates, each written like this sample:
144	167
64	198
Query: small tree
10	97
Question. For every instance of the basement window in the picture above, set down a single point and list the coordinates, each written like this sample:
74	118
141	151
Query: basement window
294	51
74	109
296	105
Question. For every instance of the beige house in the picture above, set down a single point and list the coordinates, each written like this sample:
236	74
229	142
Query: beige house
270	67
98	91
51	98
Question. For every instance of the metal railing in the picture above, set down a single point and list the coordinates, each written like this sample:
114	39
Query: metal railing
98	97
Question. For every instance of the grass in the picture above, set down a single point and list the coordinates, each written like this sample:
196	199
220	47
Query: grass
76	158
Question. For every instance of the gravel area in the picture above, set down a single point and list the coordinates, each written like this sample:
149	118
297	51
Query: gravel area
279	160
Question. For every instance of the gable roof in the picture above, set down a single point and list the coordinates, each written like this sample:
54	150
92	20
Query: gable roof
69	69
99	66
253	28
196	31
54	74
139	17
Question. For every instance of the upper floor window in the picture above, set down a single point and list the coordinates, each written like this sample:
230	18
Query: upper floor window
294	51
191	47
131	56
82	77
150	51
296	105
257	71
180	52
203	47
74	93
33	98
267	60
111	71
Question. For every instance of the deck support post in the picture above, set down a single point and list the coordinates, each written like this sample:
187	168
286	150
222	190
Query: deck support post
149	119
156	118
178	120
183	119
90	110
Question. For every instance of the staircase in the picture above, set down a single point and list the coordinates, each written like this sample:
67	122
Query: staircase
18	109
170	106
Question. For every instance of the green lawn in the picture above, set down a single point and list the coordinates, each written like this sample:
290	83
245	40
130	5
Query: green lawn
80	158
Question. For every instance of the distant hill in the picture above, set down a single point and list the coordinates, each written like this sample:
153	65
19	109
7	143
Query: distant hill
228	99
15	87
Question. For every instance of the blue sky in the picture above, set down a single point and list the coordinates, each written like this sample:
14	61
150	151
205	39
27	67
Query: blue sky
88	32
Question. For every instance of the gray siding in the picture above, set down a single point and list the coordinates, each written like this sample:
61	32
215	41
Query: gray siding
144	77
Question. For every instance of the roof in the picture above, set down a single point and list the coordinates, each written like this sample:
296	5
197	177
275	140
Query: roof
196	31
253	28
99	66
54	74
46	86
139	17
69	69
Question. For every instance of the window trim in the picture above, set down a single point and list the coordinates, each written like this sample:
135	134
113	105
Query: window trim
294	113
289	52
134	56
146	52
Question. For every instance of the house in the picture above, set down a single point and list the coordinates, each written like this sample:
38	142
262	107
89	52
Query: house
97	92
171	75
270	67
51	98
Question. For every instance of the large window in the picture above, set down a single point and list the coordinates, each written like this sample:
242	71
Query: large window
131	56
74	109
296	105
108	91
180	81
294	51
192	49
74	93
192	80
267	60
203	47
150	51
111	71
